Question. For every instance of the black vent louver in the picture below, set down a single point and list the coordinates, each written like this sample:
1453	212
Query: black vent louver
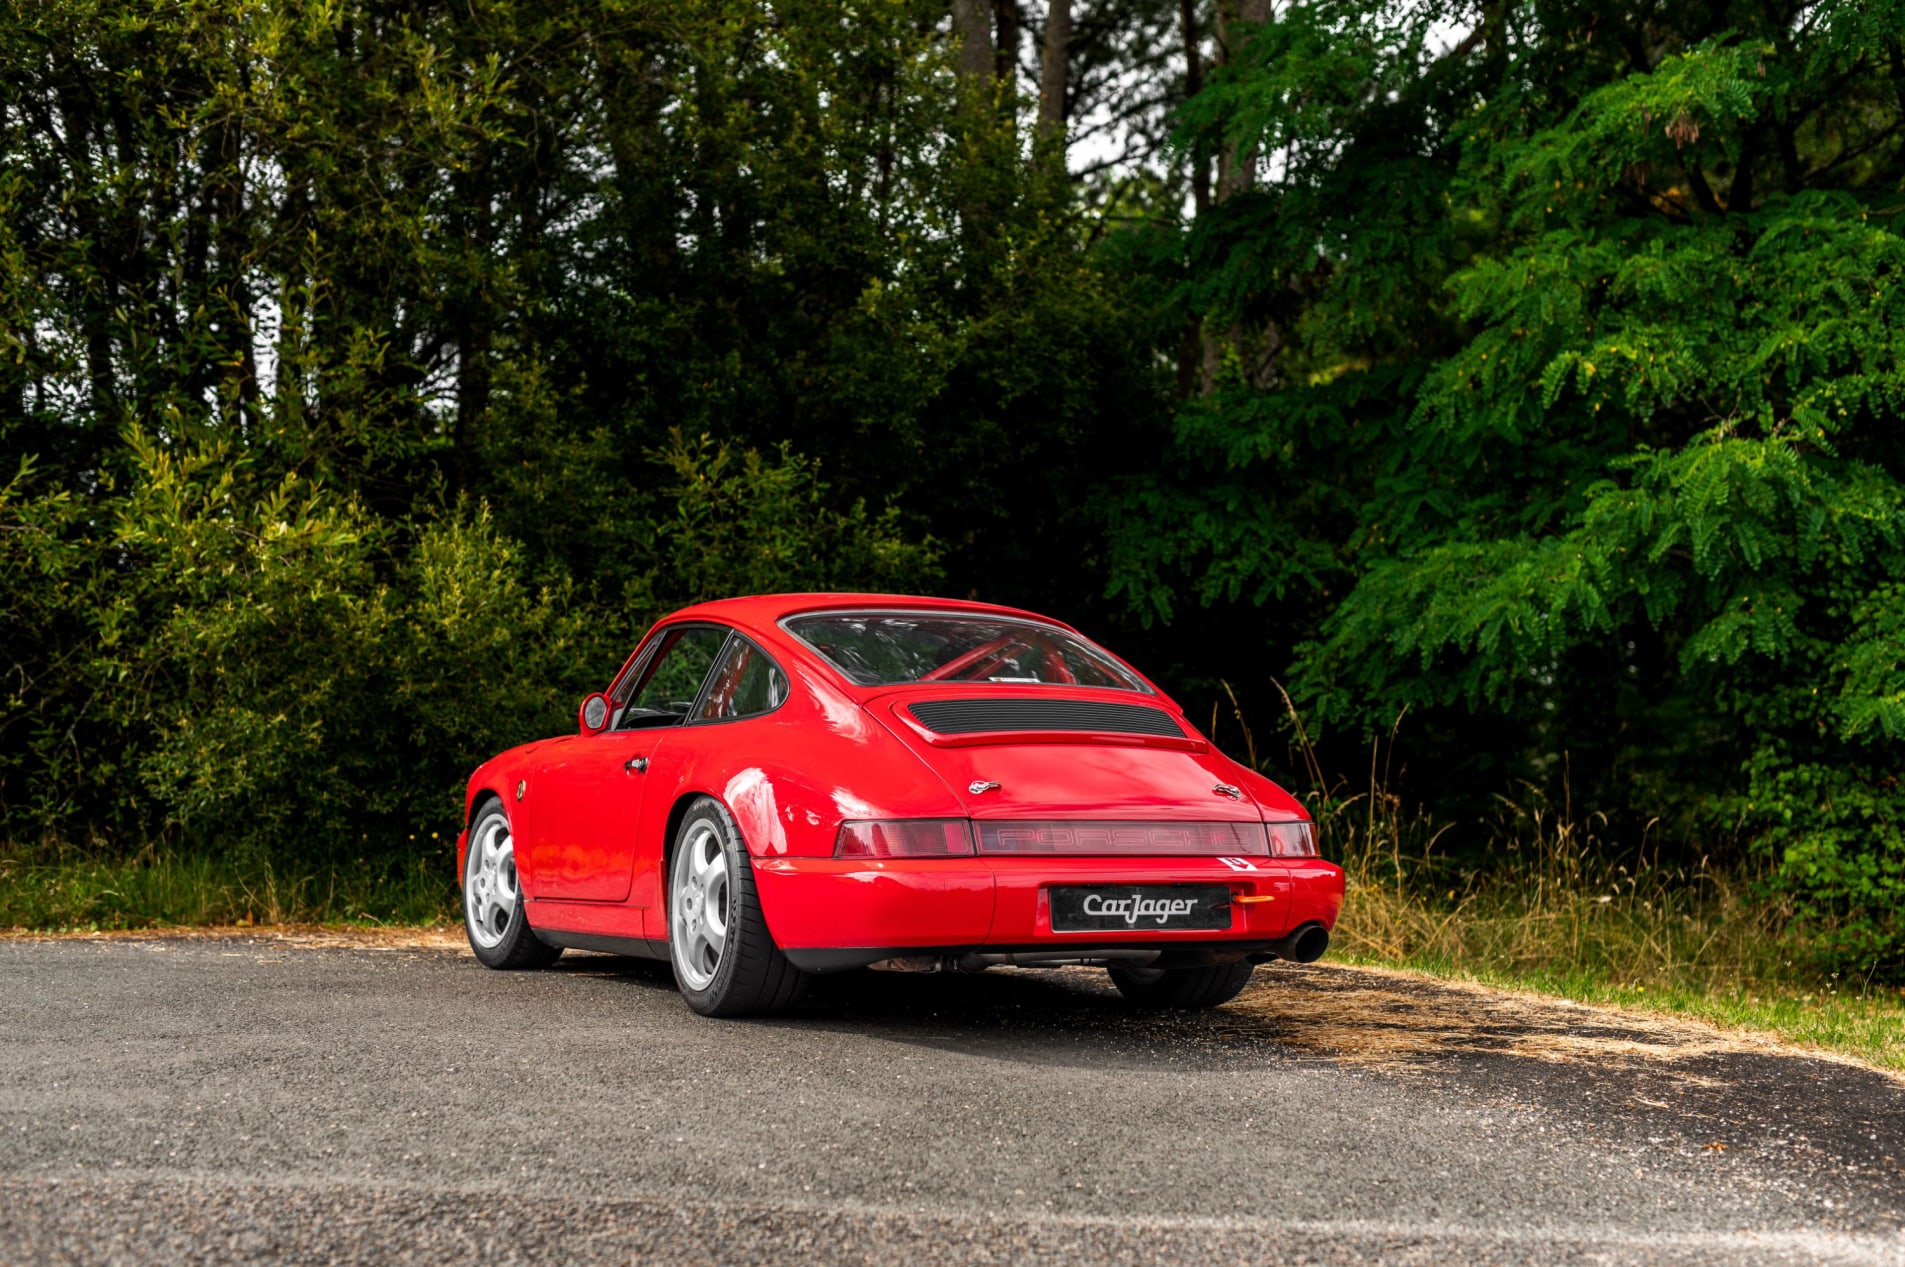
975	716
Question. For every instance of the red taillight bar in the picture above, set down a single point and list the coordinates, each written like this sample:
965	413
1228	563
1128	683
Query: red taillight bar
954	838
1124	839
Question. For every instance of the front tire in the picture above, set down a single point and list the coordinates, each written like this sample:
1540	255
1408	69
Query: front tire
494	913
1182	989
725	960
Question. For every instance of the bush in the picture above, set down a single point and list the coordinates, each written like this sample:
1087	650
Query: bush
258	668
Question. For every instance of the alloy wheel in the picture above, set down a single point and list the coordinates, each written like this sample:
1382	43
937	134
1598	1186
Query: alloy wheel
698	911
490	891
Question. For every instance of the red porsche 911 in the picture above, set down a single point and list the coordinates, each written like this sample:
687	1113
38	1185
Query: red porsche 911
796	784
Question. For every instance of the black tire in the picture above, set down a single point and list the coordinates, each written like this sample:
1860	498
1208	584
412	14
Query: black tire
495	916
1184	989
746	974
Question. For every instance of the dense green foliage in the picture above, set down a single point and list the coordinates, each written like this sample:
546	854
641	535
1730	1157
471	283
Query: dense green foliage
1561	409
374	374
371	374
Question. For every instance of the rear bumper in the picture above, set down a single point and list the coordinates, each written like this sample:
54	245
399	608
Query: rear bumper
830	914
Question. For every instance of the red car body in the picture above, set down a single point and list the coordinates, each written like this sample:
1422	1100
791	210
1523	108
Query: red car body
594	813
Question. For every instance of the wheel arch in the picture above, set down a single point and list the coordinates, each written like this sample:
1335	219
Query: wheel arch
478	798
671	833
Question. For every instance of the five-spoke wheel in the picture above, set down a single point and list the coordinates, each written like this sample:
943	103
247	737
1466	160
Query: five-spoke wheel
726	962
490	893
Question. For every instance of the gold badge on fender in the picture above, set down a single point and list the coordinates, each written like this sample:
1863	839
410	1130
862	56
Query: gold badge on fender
522	785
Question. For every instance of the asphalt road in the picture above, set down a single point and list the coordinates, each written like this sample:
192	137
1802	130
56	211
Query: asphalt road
249	1100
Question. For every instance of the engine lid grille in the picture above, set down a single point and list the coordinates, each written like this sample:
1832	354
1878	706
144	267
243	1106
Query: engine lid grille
980	716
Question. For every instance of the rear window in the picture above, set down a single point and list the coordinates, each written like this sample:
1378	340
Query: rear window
888	648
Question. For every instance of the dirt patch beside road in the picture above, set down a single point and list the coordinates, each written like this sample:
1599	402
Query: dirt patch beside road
1376	1016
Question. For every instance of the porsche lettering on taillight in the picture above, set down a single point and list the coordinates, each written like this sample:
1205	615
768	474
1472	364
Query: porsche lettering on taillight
1124	838
905	838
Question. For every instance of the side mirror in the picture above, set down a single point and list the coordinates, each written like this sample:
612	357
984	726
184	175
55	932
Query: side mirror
594	714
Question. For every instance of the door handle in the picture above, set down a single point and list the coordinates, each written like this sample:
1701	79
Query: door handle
636	765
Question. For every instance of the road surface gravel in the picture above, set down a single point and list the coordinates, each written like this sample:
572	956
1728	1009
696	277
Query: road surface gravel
252	1099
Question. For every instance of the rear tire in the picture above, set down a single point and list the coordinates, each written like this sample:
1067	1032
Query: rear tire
1184	989
494	913
725	960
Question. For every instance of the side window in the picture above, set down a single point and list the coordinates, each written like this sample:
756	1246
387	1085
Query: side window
746	683
674	677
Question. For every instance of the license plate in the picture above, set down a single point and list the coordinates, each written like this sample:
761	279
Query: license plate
1138	908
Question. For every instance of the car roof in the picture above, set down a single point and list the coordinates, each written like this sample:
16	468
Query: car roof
767	610
760	615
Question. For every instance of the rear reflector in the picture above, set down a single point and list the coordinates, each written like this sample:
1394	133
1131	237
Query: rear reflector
906	838
1292	840
1197	839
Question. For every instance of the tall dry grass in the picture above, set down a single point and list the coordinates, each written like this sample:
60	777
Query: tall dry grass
1541	892
1554	898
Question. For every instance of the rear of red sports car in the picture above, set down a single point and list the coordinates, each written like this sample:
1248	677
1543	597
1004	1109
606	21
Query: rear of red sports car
1083	822
783	786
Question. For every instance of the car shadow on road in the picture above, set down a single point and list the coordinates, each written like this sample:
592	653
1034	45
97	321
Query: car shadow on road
648	974
1043	1016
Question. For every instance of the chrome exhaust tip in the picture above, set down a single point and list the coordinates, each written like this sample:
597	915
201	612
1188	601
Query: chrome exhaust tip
1305	945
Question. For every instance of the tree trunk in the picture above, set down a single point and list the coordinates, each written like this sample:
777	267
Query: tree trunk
1194	84
473	348
1010	23
1190	344
1236	167
1054	65
972	32
1236	172
225	170
476	189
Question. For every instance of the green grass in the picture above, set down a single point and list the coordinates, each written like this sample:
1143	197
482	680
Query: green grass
71	890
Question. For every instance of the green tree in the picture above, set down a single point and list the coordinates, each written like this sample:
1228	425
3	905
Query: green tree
350	350
1561	404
